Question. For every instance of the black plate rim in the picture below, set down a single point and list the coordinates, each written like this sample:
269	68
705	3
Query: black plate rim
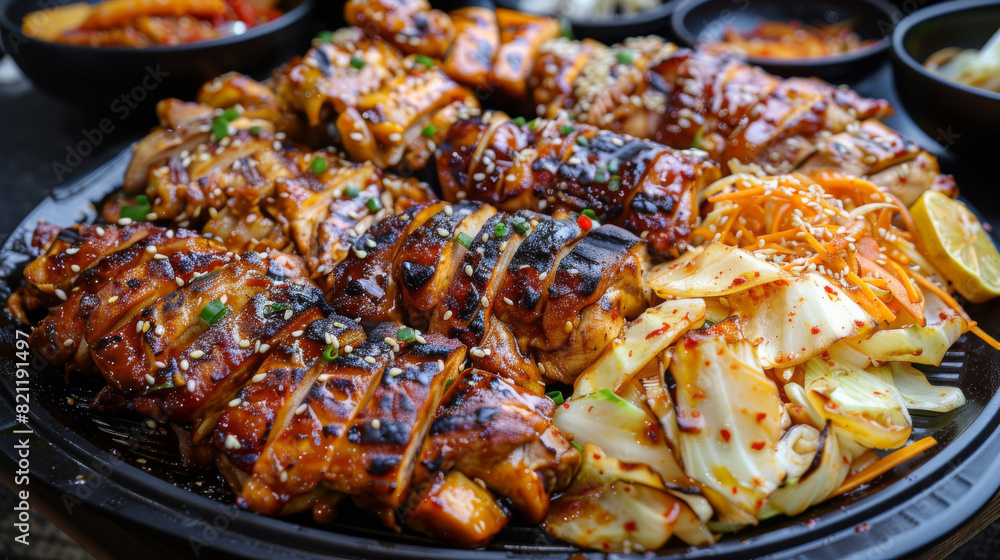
977	447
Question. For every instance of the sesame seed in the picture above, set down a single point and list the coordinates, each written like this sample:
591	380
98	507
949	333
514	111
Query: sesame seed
323	378
68	342
484	301
477	352
60	294
448	211
159	330
284	474
348	349
244	343
232	442
395	137
74	267
443	232
420	339
160	257
370	243
569	326
296	334
235	402
468	270
112	299
288	314
124	221
160	364
264	348
100	232
447	315
376	423
180	281
145	326
150	379
258	378
479	177
360	254
395	371
185	365
301	409
191	385
508	301
224	298
370	359
357	136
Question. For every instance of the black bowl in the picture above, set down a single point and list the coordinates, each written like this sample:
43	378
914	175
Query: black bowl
961	118
613	29
701	21
122	78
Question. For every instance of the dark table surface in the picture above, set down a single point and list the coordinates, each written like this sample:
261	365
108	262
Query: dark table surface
45	143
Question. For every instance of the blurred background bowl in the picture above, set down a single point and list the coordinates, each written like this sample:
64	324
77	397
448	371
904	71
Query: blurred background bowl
610	30
963	119
701	21
124	78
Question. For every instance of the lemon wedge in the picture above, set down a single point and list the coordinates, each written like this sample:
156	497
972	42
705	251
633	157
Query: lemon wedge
957	244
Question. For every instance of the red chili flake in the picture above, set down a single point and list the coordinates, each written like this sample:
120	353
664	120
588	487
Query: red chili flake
829	290
863	528
757	445
942	316
811	522
815	330
859	323
631	526
761	416
725	435
738	280
585	223
690	343
565	405
695	413
735	490
658	331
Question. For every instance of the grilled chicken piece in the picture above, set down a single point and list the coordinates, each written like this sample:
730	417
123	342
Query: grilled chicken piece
521	35
559	165
411	25
470	58
494	295
300	407
383	106
491	430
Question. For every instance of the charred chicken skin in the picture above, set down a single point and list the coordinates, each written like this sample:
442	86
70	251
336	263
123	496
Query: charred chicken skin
534	297
301	407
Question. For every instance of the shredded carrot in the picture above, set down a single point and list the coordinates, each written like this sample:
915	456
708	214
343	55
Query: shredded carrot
985	337
911	290
948	300
736	195
884	465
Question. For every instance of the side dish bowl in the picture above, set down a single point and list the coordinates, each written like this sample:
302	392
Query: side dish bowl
701	21
97	77
961	118
654	21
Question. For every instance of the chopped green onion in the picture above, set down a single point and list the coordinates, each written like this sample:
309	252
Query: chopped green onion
319	165
275	308
614	184
220	128
500	230
698	138
373	205
406	334
138	211
582	140
565	28
519	121
331	353
589	213
231	114
357	62
352	191
533	125
520	224
425	60
448	383
255	130
464	239
556	396
600	176
429	131
624	56
613	166
213	312
324	37
577	446
566	129
572	118
169	384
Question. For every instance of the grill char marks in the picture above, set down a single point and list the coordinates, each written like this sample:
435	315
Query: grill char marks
494	296
491	430
560	165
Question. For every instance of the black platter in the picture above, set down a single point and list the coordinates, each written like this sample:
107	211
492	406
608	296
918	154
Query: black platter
127	468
